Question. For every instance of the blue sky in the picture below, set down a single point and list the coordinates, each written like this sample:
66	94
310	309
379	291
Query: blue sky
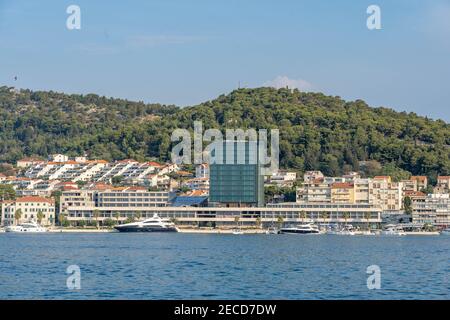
187	52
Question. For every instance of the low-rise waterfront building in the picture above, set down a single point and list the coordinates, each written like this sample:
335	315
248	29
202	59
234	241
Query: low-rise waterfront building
28	208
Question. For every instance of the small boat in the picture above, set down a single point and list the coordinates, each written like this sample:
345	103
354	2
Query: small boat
446	231
28	227
345	231
393	230
366	233
301	229
155	224
272	231
237	231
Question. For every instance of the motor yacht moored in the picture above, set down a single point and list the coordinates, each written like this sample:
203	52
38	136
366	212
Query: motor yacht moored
393	230
155	224
28	227
301	229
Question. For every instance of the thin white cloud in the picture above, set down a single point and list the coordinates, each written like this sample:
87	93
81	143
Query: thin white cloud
284	81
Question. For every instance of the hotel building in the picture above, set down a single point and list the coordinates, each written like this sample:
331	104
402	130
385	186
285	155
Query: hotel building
29	207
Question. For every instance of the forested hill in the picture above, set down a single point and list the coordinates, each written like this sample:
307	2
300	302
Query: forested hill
317	131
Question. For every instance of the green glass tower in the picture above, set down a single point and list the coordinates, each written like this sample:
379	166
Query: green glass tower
237	179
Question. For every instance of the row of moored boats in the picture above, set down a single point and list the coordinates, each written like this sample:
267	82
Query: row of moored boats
158	224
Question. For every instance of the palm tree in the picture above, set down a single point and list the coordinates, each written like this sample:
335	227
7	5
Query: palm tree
18	215
61	218
346	216
96	215
367	216
39	216
303	216
117	216
137	215
325	216
236	220
280	221
258	222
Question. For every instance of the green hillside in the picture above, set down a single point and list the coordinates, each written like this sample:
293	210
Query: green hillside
317	131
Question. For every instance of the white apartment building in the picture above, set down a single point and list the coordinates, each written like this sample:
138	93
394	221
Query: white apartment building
283	177
385	193
197	183
58	158
29	207
432	209
379	191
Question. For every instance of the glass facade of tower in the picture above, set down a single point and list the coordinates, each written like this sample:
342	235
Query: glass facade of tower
238	180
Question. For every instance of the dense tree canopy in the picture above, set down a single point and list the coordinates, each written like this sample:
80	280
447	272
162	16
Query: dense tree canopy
316	131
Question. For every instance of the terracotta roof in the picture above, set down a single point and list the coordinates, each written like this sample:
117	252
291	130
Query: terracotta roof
67	188
154	164
195	193
443	177
420	178
342	185
35	199
135	188
414	194
97	161
126	161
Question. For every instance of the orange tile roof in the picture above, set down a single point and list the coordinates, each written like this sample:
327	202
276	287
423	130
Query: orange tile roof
35	199
154	164
415	194
342	185
420	178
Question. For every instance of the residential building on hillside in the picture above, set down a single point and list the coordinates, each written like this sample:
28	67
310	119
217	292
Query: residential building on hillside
432	209
283	178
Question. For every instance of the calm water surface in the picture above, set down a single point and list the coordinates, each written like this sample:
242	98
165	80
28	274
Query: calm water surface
194	266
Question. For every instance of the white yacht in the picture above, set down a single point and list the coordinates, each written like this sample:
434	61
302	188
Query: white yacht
155	224
344	231
237	231
29	227
301	229
393	230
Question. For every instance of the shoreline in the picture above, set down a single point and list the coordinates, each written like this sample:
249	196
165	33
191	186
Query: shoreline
216	231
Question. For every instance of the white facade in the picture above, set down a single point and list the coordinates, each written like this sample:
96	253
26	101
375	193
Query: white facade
29	207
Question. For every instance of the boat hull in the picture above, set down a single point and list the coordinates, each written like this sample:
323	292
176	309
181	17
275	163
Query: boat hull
145	229
294	231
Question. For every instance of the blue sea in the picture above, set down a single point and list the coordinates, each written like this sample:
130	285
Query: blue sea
206	266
